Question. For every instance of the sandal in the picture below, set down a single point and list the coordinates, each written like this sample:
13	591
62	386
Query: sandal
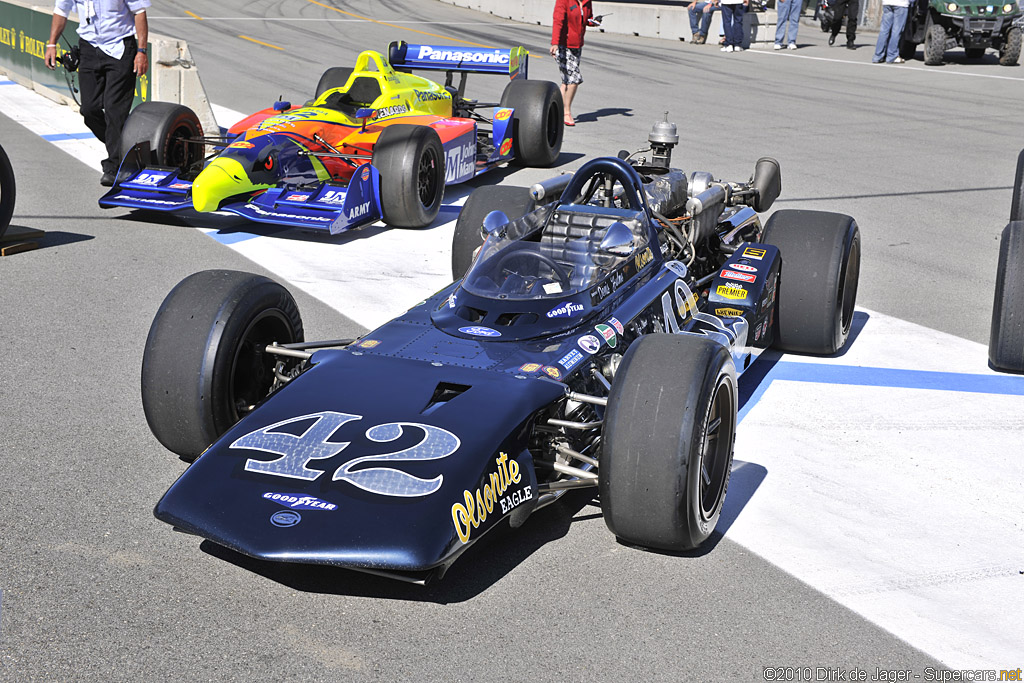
569	121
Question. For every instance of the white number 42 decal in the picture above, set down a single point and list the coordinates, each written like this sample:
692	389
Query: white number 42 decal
297	451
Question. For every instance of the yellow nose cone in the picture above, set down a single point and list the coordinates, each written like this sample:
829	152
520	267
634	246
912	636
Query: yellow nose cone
221	179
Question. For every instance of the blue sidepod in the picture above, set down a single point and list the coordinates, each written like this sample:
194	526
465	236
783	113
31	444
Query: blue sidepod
368	462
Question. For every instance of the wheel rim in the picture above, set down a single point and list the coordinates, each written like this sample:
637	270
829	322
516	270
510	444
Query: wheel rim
716	449
252	371
179	153
846	297
426	178
554	125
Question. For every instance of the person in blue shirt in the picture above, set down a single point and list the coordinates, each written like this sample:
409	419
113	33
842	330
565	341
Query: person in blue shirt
112	38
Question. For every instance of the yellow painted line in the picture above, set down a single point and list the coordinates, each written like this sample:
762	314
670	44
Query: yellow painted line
193	15
405	28
260	42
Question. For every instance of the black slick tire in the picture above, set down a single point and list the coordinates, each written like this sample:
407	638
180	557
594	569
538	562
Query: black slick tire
668	441
335	77
817	289
1006	341
467	238
165	126
538	122
934	45
410	160
8	191
202	369
1009	52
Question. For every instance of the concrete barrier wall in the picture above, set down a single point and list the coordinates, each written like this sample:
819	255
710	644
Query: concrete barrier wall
668	22
25	30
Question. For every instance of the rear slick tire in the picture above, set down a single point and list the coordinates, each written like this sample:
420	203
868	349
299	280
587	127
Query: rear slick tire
467	238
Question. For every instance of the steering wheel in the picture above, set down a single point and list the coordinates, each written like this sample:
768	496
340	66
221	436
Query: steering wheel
559	271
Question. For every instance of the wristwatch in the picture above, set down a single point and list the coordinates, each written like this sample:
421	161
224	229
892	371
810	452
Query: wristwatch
142	50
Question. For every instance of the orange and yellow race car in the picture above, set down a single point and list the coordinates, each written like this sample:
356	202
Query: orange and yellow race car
375	142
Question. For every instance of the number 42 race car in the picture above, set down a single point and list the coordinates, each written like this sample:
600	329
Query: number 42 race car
376	142
594	342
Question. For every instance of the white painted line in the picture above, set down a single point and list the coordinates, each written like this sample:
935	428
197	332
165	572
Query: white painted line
930	70
905	505
321	20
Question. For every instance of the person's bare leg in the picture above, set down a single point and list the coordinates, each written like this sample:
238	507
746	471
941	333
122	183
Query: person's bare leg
569	92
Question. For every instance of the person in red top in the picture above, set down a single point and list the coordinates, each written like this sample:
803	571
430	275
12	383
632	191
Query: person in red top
568	25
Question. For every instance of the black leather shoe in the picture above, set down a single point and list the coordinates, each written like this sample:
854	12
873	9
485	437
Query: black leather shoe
851	46
107	179
831	40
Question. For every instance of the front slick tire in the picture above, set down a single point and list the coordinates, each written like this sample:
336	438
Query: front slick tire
8	191
203	368
410	160
513	201
165	126
818	284
668	441
538	121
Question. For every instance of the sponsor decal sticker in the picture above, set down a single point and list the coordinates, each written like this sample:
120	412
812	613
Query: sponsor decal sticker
617	325
643	258
742	277
478	504
731	291
296	198
428	96
241	144
729	312
478	331
366	174
529	367
285	518
589	343
149	178
451	300
393	110
552	372
744	267
565	310
359	210
570	360
460	161
608	334
294	502
502	114
369	343
333	197
430	53
180	186
506	147
757	254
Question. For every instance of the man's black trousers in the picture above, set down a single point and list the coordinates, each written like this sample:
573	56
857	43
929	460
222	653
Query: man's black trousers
108	87
852	9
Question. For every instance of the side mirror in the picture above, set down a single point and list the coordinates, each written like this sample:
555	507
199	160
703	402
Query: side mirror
768	183
494	222
618	240
364	113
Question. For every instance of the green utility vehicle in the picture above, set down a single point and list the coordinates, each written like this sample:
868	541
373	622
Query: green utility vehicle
973	25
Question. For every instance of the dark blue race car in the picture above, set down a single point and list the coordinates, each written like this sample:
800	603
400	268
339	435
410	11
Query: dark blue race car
595	341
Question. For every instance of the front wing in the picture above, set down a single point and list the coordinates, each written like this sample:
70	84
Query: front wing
327	206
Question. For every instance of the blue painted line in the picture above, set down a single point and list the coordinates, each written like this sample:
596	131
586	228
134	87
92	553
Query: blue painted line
58	137
8	83
850	375
232	237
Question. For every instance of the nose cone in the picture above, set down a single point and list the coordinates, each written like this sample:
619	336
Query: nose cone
224	177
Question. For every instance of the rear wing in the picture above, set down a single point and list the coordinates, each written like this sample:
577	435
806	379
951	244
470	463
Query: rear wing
512	62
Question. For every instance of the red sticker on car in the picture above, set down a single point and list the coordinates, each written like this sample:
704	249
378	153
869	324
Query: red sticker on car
742	277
